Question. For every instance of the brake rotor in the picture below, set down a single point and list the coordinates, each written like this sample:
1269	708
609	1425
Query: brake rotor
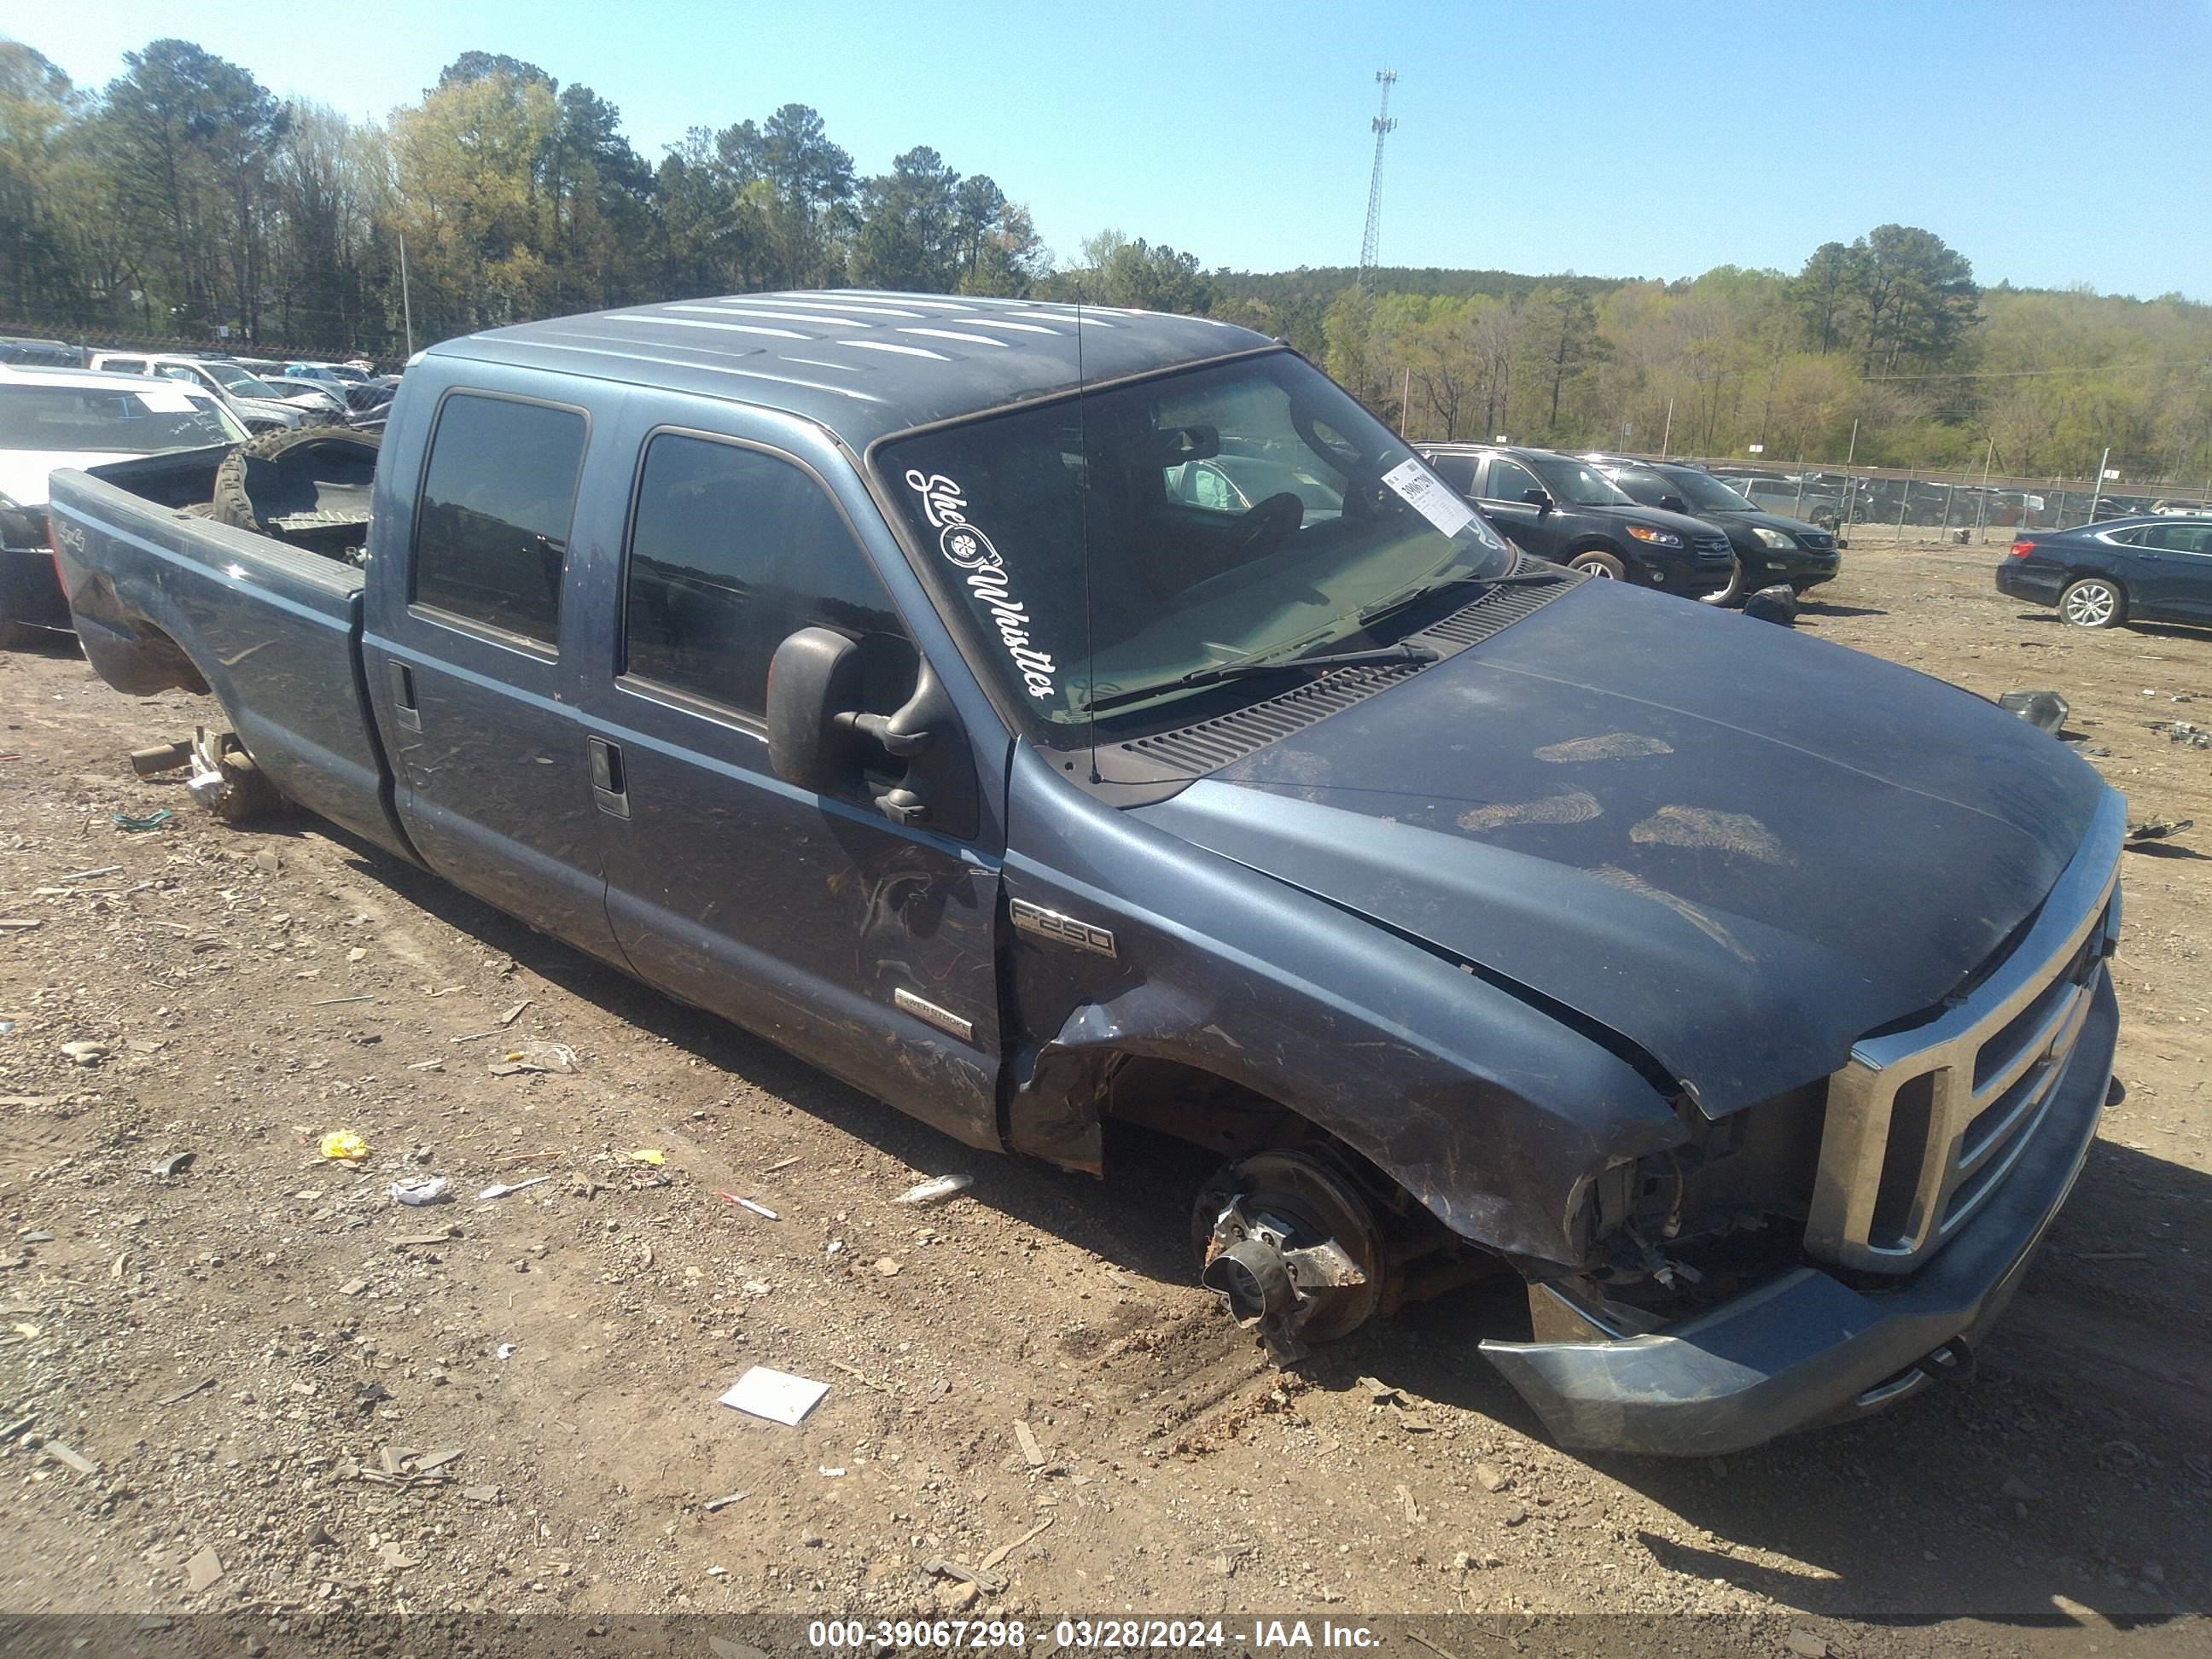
1293	1247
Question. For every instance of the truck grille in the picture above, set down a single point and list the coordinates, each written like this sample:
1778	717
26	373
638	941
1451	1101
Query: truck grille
1923	1125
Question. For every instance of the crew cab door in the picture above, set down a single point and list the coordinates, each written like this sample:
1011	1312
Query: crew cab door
473	643
867	946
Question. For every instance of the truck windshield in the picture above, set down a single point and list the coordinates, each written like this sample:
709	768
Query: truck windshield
123	422
1250	509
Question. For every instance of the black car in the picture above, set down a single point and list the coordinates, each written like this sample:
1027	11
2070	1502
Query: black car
2141	569
1771	549
1563	509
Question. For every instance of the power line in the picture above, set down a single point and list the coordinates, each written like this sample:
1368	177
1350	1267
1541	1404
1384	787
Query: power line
2030	373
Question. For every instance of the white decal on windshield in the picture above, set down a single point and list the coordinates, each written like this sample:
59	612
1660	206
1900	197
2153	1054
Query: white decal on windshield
942	503
1430	496
946	506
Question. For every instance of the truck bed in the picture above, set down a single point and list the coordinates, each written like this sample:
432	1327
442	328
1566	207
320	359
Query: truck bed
165	599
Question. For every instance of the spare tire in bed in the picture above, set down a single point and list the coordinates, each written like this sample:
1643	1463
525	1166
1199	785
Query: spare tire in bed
307	484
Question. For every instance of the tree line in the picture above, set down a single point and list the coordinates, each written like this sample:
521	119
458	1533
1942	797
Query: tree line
184	200
1883	350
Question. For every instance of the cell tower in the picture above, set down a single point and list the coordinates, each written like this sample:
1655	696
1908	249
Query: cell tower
1384	127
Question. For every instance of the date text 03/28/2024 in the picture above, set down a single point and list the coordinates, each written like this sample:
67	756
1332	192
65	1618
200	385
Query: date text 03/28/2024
1103	1635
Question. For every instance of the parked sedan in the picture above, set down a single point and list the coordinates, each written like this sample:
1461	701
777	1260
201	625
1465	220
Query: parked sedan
360	392
59	417
1773	549
2141	569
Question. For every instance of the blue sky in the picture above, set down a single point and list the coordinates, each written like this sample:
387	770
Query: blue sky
2050	143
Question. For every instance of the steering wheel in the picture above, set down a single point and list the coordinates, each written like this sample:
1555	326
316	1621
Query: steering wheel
1266	523
1367	497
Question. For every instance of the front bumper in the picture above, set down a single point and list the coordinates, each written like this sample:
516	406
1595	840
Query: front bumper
1801	567
1691	578
1808	1348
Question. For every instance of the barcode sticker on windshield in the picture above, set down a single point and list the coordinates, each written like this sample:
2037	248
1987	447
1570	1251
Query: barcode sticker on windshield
160	400
1430	496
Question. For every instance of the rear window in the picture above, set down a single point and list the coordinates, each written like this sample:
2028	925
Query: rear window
91	419
491	535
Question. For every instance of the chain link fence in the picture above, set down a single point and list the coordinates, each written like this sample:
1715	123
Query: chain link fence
79	342
1873	505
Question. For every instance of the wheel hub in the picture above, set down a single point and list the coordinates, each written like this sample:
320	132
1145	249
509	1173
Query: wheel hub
1291	1249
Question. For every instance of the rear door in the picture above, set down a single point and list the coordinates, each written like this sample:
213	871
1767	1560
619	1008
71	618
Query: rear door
1503	487
471	657
867	946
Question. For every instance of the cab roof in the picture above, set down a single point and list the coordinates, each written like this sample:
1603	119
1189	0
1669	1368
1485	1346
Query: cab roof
859	363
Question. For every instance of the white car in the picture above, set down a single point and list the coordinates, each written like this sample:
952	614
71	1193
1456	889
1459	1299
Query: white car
259	405
52	418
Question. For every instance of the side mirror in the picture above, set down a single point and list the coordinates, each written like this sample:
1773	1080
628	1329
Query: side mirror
1539	499
912	764
1673	504
814	677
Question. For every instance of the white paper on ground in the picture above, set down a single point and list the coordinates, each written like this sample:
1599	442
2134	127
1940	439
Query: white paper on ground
777	1395
1430	496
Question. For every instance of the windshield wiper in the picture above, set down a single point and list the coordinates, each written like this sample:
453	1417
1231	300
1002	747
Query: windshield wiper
1237	671
1430	589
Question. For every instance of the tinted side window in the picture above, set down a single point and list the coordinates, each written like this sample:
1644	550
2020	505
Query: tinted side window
497	496
1646	487
1508	480
1457	471
731	552
2173	538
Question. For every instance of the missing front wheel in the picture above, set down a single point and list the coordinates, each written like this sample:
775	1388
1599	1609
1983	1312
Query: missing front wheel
1293	1248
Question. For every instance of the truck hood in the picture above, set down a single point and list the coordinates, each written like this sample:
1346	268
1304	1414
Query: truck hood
1740	847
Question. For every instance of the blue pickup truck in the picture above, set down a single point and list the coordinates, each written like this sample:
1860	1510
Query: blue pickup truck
861	667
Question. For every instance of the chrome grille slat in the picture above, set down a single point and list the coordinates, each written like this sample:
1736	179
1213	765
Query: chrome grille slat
1979	1173
1980	1105
2037	1045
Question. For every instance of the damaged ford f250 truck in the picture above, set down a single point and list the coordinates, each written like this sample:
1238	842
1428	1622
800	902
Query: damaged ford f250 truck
869	670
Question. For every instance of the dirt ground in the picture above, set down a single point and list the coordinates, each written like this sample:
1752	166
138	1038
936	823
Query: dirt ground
245	1351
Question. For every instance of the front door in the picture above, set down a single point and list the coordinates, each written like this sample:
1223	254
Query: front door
2179	556
471	676
1505	484
867	946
